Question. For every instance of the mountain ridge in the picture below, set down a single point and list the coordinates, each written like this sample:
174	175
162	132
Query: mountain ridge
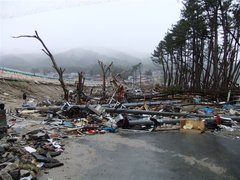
74	58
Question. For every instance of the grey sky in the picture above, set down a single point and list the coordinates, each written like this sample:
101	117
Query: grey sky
125	25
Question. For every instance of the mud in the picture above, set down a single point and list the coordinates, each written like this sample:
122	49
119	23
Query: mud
147	156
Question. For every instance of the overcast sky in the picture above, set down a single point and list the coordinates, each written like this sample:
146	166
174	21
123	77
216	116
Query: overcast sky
124	25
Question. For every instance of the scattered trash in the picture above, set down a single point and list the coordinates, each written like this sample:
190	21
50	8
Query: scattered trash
30	103
109	129
227	107
3	121
29	151
65	106
206	110
192	126
226	128
197	99
68	124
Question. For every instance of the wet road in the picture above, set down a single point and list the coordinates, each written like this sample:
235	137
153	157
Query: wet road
160	155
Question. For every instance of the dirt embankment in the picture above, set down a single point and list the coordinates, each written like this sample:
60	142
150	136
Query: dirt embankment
11	92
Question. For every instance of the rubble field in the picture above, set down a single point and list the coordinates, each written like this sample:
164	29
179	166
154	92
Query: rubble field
38	128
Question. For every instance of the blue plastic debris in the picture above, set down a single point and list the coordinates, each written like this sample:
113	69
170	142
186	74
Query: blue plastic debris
68	124
207	110
197	99
227	107
109	129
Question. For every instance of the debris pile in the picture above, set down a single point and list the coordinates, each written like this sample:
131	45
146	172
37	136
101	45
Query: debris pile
33	137
23	156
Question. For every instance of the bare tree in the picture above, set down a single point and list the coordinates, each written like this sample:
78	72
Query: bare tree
105	69
80	94
59	70
136	68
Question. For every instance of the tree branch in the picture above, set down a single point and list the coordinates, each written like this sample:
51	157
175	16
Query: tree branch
28	36
49	54
45	52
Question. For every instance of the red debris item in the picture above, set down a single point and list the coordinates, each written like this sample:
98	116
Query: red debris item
218	120
121	93
90	131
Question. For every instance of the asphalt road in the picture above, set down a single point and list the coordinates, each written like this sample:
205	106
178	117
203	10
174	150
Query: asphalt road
145	156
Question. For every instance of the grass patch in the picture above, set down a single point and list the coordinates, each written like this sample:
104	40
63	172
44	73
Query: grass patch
18	84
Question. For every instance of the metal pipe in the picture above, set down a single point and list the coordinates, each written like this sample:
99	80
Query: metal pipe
56	108
149	103
234	118
147	121
133	111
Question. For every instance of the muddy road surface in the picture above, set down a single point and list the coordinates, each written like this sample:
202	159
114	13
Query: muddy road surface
145	155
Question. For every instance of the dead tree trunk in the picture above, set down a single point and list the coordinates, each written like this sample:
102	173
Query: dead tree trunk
59	70
80	94
105	69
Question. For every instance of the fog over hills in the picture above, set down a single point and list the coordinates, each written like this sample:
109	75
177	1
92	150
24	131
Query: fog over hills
13	61
73	60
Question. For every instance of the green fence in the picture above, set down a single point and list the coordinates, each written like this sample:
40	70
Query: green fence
25	73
